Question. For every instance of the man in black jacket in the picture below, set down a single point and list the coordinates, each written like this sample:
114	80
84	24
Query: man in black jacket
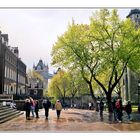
101	109
46	105
128	110
27	107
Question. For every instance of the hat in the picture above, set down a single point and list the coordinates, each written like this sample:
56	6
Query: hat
57	100
27	100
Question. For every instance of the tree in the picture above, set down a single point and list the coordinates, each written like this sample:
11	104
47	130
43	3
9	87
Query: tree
66	83
118	42
77	86
73	51
58	87
101	51
34	74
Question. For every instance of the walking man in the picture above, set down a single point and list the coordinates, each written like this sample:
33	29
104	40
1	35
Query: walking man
128	110
46	105
101	109
36	108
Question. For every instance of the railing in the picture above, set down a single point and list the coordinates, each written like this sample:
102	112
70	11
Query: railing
5	97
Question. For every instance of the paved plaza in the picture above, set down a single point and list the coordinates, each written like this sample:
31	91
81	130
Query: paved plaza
72	120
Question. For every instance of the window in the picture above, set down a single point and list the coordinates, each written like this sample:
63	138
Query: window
5	71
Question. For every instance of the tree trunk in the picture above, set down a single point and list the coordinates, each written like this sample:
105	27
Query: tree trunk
108	96
93	97
72	101
63	100
110	107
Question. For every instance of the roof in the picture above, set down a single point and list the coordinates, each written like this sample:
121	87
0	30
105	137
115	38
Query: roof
133	11
40	63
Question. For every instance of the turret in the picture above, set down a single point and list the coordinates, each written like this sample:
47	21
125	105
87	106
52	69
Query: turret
134	15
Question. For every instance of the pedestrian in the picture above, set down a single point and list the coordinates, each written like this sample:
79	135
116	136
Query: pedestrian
101	106
114	110
53	106
27	107
89	105
46	105
36	108
32	106
13	105
110	112
118	106
58	108
128	109
75	105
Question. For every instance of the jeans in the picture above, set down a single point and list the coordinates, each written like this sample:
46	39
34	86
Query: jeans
33	110
58	113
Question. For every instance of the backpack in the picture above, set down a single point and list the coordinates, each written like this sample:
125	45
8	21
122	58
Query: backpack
117	104
49	104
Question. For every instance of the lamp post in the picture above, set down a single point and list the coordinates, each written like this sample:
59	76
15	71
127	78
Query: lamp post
138	96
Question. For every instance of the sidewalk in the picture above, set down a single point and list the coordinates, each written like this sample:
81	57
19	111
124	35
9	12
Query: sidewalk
135	116
71	120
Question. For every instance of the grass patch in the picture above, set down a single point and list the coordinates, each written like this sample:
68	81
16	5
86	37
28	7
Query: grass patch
134	108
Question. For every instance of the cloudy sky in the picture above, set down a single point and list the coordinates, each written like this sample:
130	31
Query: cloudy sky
34	31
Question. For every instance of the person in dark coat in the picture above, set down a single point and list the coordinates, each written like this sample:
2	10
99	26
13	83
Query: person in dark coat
128	110
118	106
46	105
27	108
101	105
36	108
114	110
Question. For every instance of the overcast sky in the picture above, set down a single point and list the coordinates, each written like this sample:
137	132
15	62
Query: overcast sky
34	31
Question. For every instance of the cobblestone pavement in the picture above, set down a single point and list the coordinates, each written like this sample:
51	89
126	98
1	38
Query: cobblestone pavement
71	120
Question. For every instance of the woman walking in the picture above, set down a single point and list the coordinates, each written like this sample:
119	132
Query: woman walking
32	106
58	108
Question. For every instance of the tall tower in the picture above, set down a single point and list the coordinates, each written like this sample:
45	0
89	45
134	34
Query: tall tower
134	15
43	70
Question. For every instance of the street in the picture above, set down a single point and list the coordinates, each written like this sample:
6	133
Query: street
71	120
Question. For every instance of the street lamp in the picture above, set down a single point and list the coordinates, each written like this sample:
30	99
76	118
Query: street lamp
37	83
138	96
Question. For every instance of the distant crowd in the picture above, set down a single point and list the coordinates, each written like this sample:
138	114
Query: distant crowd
117	110
31	108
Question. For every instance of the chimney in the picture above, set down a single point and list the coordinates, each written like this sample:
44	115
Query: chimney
5	39
15	51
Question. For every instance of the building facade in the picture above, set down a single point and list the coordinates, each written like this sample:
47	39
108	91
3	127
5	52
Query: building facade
131	79
12	69
43	70
35	88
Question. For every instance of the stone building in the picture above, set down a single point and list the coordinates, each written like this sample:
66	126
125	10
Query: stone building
35	88
131	80
43	70
12	69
